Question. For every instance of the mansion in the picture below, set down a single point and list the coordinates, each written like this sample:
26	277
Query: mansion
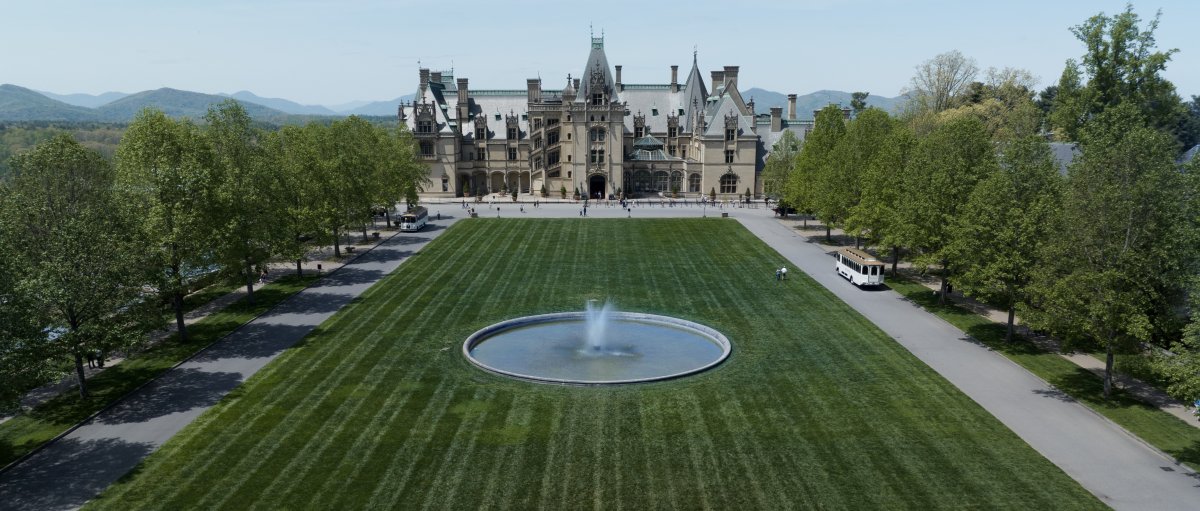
597	134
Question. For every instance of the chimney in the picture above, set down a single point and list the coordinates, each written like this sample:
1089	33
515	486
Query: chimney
576	84
718	79
776	121
464	102
435	77
731	73
750	105
424	82
534	87
674	78
791	106
618	84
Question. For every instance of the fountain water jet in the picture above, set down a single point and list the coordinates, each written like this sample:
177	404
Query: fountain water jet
597	326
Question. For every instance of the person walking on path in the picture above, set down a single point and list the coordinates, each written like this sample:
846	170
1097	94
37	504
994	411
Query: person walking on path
783	272
778	275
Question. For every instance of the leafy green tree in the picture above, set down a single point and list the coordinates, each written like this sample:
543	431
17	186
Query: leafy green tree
244	211
875	215
1000	232
780	163
400	175
841	182
942	171
1120	65
858	101
25	354
293	153
163	169
813	182
1117	244
82	266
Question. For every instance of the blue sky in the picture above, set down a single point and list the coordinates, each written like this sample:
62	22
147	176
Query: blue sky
325	52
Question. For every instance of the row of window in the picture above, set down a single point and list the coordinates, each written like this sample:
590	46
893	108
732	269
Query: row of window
663	181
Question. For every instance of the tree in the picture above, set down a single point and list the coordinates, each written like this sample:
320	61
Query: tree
25	354
814	179
1181	364
780	162
163	169
841	181
940	82
293	153
875	215
1120	65
244	211
858	101
1116	245
1000	232
81	265
942	171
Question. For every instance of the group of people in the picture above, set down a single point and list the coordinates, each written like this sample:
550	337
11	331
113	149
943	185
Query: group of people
781	274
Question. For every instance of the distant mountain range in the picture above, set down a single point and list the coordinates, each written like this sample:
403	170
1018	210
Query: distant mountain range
21	104
808	103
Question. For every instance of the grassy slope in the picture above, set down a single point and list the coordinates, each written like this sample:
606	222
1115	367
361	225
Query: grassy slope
815	408
1160	429
27	431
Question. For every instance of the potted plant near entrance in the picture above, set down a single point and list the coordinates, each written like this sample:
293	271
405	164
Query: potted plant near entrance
576	193
544	194
562	190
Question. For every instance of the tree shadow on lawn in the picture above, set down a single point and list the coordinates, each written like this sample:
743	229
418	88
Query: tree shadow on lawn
254	341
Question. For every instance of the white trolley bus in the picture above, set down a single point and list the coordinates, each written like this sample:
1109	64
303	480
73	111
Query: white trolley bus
860	268
414	219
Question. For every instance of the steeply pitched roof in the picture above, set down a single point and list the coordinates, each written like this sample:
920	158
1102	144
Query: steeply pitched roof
597	65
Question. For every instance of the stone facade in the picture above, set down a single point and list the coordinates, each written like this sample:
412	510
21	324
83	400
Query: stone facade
597	135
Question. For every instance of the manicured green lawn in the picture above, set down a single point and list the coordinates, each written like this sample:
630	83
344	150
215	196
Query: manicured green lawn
27	431
1159	428
378	409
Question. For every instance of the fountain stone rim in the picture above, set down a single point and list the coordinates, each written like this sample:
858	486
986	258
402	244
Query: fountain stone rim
482	334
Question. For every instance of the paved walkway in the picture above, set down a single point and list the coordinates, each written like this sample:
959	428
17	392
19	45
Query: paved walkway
1121	470
1118	468
76	468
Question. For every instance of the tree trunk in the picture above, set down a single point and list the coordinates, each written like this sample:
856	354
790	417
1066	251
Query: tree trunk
1108	370
299	268
1012	314
177	298
364	226
942	292
895	258
387	213
828	230
249	282
80	376
337	244
857	242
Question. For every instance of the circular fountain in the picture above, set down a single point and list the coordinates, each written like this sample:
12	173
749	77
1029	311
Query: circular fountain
596	347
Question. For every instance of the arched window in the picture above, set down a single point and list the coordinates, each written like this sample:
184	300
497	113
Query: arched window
694	183
676	181
662	181
641	181
729	183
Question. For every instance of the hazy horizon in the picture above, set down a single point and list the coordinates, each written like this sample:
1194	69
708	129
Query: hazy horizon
317	52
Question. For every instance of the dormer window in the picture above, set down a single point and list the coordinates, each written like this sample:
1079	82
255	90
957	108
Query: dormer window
512	133
730	134
598	99
638	131
425	126
481	133
672	131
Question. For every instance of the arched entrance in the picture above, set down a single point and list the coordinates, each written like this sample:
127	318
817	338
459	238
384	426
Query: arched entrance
596	187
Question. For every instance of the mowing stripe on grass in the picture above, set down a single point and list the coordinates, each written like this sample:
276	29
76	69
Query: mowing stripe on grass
816	407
